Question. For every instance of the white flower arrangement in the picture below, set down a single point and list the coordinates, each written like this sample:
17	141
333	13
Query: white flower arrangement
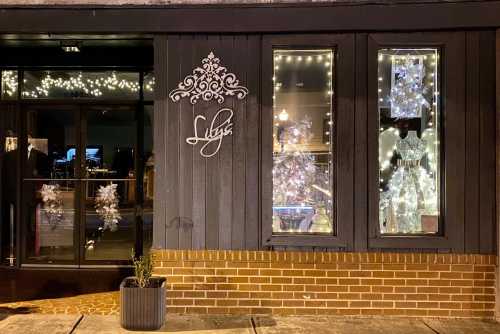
106	205
52	203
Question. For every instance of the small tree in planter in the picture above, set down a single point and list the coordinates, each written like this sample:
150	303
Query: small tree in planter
142	297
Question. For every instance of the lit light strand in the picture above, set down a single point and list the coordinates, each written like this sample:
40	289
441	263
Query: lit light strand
94	87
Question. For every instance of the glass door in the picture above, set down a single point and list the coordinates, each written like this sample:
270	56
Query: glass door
109	194
50	184
79	180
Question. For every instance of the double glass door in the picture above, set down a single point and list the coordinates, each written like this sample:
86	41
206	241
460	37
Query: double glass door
81	200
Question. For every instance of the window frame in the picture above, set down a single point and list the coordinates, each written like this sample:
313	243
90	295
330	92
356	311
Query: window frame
343	140
451	48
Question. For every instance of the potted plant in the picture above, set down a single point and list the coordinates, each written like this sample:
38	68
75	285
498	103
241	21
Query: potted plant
142	297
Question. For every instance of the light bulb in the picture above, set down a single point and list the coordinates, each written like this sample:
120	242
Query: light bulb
283	115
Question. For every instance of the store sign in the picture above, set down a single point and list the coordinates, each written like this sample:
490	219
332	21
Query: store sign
210	82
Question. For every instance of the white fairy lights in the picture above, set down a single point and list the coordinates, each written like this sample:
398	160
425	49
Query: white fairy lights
302	196
408	101
9	82
93	85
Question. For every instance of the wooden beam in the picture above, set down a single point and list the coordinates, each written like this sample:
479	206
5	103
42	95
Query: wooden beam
407	16
498	171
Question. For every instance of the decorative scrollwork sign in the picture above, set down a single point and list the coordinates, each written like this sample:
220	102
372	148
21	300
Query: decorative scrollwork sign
212	81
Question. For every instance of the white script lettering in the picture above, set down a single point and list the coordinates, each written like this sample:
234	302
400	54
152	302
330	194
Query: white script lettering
212	134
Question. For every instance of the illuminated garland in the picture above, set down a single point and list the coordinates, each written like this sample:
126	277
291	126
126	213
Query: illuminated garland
93	87
9	81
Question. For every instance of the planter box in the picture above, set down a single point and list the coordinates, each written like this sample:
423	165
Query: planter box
142	308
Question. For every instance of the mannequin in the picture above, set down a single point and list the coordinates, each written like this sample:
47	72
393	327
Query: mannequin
411	191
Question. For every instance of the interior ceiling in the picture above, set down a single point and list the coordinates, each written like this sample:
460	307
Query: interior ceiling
54	40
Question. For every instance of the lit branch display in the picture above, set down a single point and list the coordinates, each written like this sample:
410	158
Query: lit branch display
407	89
52	203
408	141
106	206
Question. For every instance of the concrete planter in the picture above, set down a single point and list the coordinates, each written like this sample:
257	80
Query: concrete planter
142	308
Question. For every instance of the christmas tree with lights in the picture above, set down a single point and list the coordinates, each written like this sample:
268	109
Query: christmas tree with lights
294	170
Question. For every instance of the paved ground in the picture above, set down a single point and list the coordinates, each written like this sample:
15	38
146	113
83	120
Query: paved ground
197	324
103	303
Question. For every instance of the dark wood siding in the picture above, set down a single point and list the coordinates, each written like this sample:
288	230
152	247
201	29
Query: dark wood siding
479	140
202	202
223	202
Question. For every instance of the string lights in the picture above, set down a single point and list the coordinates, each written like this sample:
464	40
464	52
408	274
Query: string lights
92	85
302	199
9	82
408	100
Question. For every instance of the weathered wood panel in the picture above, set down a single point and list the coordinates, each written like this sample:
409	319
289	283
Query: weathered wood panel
497	165
480	227
453	113
253	143
160	121
487	210
172	145
202	202
186	153
199	165
360	142
472	150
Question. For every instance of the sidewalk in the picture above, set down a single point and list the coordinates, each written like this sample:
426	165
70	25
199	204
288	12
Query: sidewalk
196	324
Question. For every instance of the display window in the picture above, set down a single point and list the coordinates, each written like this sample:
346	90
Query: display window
409	140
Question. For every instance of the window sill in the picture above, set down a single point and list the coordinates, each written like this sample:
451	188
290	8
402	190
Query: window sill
409	241
305	241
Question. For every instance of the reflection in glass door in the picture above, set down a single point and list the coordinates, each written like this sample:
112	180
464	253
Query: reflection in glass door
109	201
50	186
80	192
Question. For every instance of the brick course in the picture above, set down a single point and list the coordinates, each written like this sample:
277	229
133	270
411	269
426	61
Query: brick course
303	283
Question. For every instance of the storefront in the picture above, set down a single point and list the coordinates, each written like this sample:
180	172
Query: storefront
275	163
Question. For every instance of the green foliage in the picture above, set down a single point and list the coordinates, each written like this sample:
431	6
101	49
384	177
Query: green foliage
143	270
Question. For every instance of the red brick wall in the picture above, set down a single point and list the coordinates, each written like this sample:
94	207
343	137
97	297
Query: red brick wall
293	283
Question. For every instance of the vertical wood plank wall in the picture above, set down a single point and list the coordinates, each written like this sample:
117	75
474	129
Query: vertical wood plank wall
480	158
214	203
497	169
206	203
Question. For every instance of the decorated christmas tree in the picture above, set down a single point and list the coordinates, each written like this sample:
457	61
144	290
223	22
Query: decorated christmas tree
294	170
300	185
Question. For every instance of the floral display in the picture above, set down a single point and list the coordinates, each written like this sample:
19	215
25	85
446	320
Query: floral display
106	204
52	203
